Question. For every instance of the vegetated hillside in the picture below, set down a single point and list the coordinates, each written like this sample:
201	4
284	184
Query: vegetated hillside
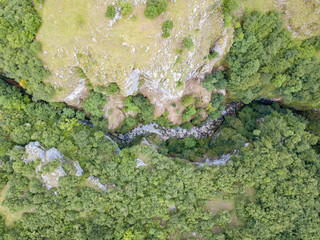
81	45
301	17
62	177
98	49
84	190
265	61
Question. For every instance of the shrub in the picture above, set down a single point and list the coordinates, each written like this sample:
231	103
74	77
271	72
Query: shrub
126	7
35	47
229	6
218	100
94	104
208	82
81	73
141	105
99	89
187	115
165	34
112	88
146	108
217	81
155	8
187	100
51	166
188	43
167	25
213	54
179	60
130	121
111	11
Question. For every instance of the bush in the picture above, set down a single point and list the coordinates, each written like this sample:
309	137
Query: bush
188	43
187	100
213	54
208	82
80	73
155	8
166	26
216	80
94	104
35	47
126	7
165	34
141	105
51	166
146	108
111	11
112	88
187	115
228	7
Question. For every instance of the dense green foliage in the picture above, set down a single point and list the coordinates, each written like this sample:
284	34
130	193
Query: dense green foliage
265	61
187	100
126	7
215	81
53	125
19	23
167	197
155	8
166	26
188	43
141	105
228	6
94	104
156	189
111	11
112	88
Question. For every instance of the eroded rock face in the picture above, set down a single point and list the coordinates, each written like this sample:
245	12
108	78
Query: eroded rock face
129	50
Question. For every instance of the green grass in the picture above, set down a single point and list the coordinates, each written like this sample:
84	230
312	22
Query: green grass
109	53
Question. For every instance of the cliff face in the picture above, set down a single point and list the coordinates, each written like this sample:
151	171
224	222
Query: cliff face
129	50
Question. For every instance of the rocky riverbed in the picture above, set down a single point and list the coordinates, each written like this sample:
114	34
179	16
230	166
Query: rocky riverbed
204	131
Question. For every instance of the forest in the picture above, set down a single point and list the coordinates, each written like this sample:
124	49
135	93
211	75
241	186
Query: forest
166	197
65	175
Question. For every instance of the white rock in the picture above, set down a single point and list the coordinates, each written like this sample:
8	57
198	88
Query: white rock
53	154
140	163
35	151
78	168
96	182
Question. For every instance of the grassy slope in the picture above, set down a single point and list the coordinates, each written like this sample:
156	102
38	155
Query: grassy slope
77	33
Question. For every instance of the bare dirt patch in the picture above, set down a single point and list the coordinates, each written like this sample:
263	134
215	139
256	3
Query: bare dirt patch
113	111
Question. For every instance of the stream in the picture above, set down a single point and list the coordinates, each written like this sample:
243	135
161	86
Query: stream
204	131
